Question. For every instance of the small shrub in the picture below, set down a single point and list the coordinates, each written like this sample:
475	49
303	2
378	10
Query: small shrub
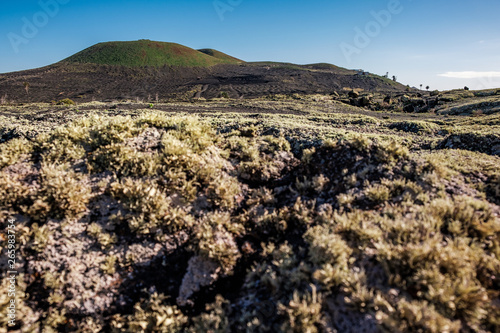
377	193
66	101
104	239
14	195
477	113
62	193
215	236
303	314
11	152
150	208
39	237
391	152
415	126
124	161
109	266
417	316
151	315
214	320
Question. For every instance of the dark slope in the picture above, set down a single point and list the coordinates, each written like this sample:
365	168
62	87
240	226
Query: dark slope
221	56
124	70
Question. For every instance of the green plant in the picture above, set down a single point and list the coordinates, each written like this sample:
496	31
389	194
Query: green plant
150	209
61	193
66	101
124	161
377	193
104	239
151	315
215	319
109	266
13	150
216	241
303	314
39	237
415	126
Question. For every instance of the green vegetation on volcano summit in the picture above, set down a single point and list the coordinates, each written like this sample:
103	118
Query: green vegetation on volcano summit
149	53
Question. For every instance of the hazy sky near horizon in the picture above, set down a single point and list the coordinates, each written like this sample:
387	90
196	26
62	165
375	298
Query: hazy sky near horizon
444	44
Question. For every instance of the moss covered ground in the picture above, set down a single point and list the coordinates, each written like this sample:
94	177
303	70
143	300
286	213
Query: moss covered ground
250	216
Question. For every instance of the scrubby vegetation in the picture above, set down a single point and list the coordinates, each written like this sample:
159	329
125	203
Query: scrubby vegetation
321	222
66	101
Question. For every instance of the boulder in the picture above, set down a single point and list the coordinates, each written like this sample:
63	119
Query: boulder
405	99
364	101
496	150
417	101
409	108
432	102
353	94
486	93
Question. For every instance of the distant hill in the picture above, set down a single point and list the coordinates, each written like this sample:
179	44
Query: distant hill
149	53
145	69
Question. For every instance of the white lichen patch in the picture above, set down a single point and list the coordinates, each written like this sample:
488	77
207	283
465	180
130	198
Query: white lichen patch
146	141
143	253
71	258
201	272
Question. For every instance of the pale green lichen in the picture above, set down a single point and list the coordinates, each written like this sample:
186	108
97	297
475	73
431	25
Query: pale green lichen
298	225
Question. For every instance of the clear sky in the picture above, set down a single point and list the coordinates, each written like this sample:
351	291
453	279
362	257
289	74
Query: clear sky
442	43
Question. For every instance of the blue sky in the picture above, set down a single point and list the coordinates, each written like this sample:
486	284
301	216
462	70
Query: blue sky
444	44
